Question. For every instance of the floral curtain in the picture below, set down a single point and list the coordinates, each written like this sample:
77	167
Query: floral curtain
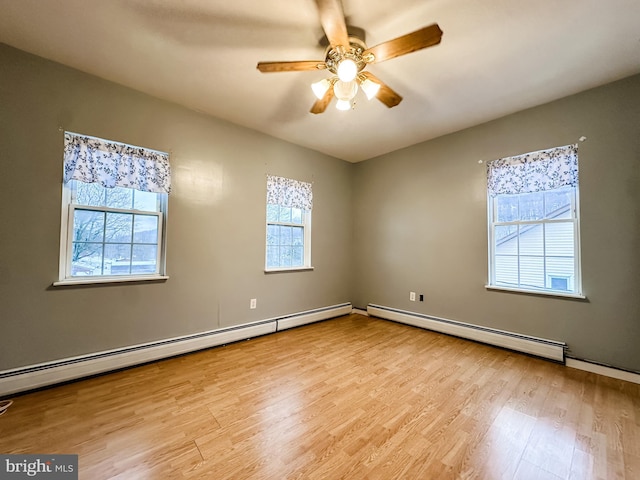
112	164
534	172
289	193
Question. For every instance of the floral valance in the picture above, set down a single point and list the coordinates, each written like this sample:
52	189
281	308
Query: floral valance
534	172
289	193
113	164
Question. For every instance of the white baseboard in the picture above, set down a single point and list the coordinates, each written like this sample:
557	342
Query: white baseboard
360	312
49	373
313	316
522	343
604	370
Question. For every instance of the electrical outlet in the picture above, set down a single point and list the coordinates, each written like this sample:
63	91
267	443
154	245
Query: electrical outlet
412	296
421	297
253	304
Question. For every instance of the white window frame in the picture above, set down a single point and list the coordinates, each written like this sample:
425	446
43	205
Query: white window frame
66	242
306	227
575	220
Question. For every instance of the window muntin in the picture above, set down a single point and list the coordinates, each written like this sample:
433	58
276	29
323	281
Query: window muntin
533	217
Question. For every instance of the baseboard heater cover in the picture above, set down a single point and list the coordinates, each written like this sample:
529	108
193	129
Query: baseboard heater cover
44	374
297	320
540	347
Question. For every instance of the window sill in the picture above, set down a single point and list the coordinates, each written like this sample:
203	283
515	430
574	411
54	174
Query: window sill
537	292
95	280
284	270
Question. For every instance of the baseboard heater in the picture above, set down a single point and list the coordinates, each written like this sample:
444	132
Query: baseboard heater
513	341
50	373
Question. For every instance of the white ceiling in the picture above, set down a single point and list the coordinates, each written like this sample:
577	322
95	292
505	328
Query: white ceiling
496	57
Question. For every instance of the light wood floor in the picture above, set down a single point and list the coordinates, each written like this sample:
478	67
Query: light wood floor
352	398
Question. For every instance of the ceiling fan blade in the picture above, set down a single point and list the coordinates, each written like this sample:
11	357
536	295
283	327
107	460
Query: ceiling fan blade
271	67
321	105
386	94
423	38
333	23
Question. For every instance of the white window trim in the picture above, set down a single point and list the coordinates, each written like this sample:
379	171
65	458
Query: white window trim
544	293
288	269
66	226
306	226
578	294
110	279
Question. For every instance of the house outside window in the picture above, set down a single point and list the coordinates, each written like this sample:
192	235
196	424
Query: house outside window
114	206
534	234
288	235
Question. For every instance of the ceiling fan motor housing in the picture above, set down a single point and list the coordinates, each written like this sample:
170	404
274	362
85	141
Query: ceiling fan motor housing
355	52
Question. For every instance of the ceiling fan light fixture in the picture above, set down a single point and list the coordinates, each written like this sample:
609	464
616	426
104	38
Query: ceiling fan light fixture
343	105
369	88
321	87
347	70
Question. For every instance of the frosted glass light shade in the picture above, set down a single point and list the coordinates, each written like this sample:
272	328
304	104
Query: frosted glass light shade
343	105
320	88
347	70
370	88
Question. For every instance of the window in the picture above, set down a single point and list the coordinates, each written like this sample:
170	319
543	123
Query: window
288	244
113	212
534	222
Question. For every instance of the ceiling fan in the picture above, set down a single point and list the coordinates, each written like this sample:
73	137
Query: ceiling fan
346	58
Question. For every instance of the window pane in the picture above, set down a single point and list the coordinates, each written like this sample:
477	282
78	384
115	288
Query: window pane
559	239
297	236
272	213
531	239
298	256
285	214
506	240
119	227
506	270
119	197
273	257
144	259
296	216
86	259
506	208
285	256
90	194
117	259
88	226
285	235
145	229
557	203
532	206
532	272
147	201
273	235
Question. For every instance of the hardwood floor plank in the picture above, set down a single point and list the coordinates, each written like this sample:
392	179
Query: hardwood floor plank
353	397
